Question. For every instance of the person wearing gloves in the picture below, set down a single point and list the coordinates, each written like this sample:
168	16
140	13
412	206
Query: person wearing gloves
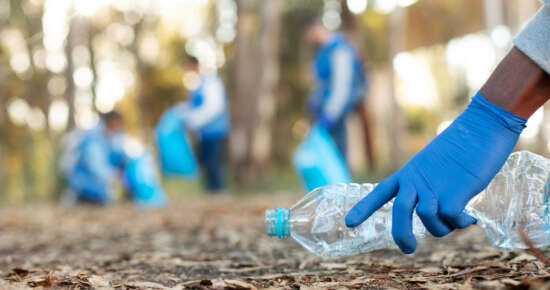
207	115
440	180
340	81
95	160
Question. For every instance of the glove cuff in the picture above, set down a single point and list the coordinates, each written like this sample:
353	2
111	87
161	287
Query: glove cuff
509	120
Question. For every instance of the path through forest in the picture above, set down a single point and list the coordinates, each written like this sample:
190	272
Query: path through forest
220	243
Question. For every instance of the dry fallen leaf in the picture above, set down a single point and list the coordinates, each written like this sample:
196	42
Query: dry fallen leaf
145	285
334	266
237	284
20	272
98	282
523	257
430	270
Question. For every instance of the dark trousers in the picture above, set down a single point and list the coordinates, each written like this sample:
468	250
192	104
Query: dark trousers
211	160
339	135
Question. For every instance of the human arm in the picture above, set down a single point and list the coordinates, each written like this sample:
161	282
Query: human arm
521	82
439	181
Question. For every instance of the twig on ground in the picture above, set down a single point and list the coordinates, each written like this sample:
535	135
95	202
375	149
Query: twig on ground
534	250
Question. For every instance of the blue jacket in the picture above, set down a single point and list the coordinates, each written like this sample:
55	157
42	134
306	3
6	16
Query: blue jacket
340	79
98	157
208	114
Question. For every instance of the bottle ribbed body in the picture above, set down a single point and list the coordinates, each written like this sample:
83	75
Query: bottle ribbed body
518	197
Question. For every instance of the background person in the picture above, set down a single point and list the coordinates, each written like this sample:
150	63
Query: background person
95	160
340	81
207	115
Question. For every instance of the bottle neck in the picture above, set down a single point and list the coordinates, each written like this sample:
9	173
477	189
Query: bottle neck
277	222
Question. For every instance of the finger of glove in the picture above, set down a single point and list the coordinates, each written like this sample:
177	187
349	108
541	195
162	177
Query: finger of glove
381	194
427	210
403	208
463	220
455	216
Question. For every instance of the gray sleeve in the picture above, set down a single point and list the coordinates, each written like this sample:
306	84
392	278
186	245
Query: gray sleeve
341	83
534	39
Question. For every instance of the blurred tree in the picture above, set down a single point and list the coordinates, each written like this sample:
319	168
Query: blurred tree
395	123
78	35
257	74
358	36
91	32
244	97
431	21
3	123
270	12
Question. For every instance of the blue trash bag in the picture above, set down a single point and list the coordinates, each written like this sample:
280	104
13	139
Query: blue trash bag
175	152
143	183
318	161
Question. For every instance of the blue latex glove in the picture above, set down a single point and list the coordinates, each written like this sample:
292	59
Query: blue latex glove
441	179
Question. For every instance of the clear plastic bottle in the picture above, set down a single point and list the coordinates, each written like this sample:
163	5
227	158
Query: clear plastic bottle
518	196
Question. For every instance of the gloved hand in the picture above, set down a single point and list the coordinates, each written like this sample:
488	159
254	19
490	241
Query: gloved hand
441	178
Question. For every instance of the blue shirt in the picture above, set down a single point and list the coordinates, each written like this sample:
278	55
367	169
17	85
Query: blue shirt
340	79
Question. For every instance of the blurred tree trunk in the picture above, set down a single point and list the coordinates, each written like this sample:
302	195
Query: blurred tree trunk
38	89
69	71
359	38
353	29
3	129
395	115
494	10
257	77
494	16
245	94
79	34
37	96
268	83
144	85
93	65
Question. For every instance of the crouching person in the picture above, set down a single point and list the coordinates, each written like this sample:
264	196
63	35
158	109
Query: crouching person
92	160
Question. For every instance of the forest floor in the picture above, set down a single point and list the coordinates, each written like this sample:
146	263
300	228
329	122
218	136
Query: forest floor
221	243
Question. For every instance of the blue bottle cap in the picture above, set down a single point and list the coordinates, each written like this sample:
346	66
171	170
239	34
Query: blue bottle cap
277	222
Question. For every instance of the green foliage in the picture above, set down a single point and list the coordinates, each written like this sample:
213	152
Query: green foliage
420	121
376	28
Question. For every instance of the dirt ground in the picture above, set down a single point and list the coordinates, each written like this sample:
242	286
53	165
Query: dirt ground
221	243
